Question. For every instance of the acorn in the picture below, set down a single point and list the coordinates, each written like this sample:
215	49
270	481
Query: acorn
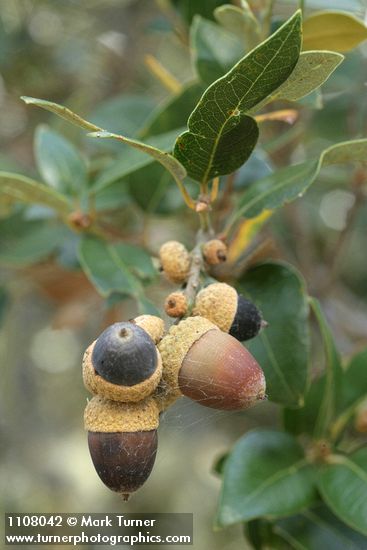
122	440
214	252
175	261
209	366
230	311
123	364
176	304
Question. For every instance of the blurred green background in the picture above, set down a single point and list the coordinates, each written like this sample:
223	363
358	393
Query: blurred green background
89	55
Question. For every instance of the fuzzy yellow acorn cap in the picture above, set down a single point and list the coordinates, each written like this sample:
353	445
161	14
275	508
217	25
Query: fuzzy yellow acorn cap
214	252
103	415
175	261
218	303
99	386
175	346
153	325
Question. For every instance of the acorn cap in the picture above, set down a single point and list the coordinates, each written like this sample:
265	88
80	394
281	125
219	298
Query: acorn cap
99	386
218	303
176	344
103	415
214	252
176	304
175	261
153	325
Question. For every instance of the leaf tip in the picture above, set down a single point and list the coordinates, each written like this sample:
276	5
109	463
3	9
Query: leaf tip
27	99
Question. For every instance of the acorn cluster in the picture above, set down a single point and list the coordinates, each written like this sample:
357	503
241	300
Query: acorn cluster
136	369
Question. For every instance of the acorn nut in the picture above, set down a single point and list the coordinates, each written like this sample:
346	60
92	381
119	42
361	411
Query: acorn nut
230	311
122	440
123	364
176	304
175	261
210	366
214	252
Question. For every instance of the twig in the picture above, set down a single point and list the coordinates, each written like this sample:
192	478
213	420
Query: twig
197	266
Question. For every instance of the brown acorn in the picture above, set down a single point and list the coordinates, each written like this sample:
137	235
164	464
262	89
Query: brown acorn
230	311
123	364
214	252
175	261
210	366
176	304
122	439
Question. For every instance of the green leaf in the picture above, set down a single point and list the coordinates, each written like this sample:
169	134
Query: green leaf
343	486
59	162
4	303
26	190
105	268
147	307
27	241
287	184
354	386
312	70
204	160
173	113
266	474
168	161
241	22
135	258
318	529
333	374
62	112
353	391
130	161
123	114
304	420
189	8
219	131
160	195
332	30
283	348
215	50
113	197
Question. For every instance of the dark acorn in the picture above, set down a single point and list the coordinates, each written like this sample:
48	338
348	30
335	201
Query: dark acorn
124	354
122	440
247	321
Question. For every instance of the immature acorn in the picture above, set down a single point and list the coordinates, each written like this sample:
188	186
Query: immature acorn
123	364
122	439
214	252
153	325
210	366
176	304
230	311
175	261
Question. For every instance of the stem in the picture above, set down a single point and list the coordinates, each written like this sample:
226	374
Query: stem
197	266
302	5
